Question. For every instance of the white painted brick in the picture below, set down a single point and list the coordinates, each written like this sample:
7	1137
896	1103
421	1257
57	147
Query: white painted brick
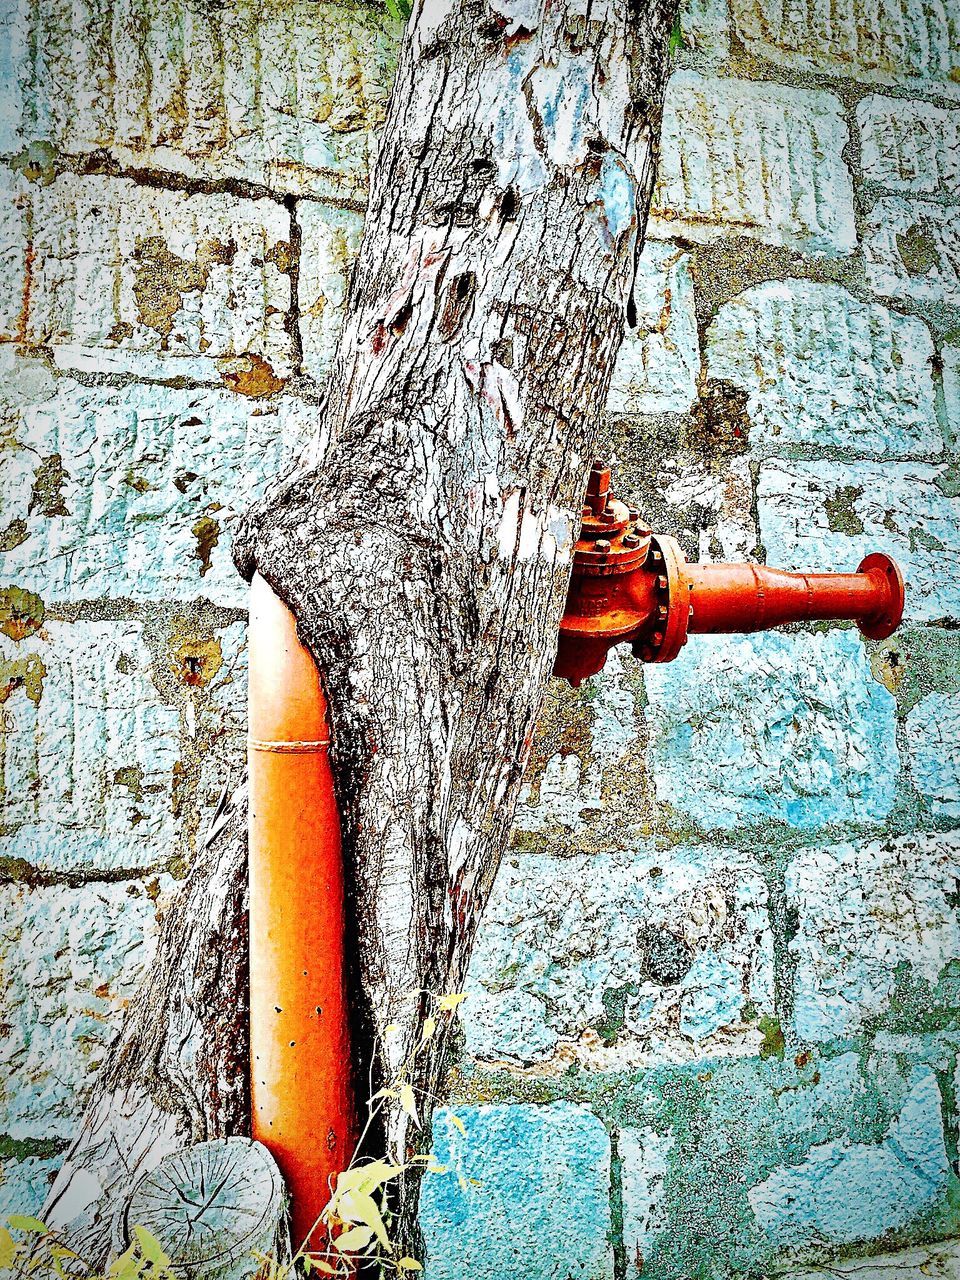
167	283
911	249
70	959
330	240
823	369
865	910
89	750
705	25
286	92
13	257
829	515
644	1169
752	159
149	472
908	43
933	746
951	388
664	949
913	147
773	727
658	364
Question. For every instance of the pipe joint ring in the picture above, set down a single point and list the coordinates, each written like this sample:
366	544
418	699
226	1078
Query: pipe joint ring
289	748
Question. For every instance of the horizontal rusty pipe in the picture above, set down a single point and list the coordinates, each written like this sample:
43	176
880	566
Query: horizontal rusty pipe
630	585
302	1100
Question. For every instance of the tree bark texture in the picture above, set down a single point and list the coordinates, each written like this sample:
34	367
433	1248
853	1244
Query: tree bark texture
426	553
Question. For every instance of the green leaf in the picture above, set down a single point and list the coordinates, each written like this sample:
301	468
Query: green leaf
22	1222
353	1240
676	41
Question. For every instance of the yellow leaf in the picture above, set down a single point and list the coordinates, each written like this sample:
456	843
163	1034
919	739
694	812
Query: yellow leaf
353	1240
151	1248
452	1000
409	1103
366	1177
409	1264
8	1248
325	1267
429	1027
357	1206
457	1123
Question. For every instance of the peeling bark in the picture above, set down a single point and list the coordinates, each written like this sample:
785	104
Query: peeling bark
426	554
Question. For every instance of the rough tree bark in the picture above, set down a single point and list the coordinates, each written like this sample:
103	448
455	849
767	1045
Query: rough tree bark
426	554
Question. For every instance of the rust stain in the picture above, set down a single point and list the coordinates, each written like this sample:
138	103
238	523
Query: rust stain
23	320
252	376
207	534
195	661
162	278
21	612
22	673
281	255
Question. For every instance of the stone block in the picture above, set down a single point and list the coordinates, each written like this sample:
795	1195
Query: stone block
933	749
951	389
131	491
829	515
220	734
749	158
825	370
621	958
527	1196
124	277
643	1169
70	959
288	92
658	364
24	1185
921	1262
330	239
89	749
910	147
772	727
13	256
913	44
705	26
844	1192
869	916
911	249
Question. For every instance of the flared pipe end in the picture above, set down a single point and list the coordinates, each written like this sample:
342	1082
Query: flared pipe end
883	623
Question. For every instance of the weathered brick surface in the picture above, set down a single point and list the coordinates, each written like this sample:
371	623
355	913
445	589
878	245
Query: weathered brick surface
830	515
527	1195
657	368
130	491
89	750
910	147
933	747
872	917
912	249
760	160
287	94
160	283
845	1192
791	728
331	238
621	958
69	959
914	44
824	369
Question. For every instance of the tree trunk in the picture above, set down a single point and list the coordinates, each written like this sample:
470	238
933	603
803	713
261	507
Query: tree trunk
426	556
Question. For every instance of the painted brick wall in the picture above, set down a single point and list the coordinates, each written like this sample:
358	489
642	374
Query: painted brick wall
713	1022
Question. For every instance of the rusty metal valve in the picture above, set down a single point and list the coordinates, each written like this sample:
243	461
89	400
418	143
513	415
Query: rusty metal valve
631	585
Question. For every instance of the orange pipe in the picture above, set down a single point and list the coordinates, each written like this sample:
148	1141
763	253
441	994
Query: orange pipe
302	1100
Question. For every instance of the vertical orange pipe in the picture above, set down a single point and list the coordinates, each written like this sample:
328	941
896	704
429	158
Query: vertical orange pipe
301	1094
